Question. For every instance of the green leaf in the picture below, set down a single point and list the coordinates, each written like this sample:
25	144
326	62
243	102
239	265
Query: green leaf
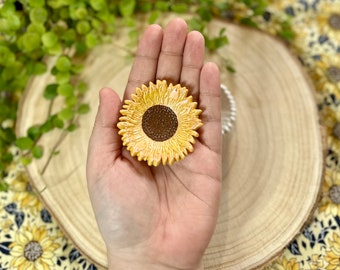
127	7
81	48
82	87
76	69
24	143
286	32
69	36
38	15
83	27
162	6
55	50
204	12
144	6
65	90
96	24
37	151
78	11
7	8
249	22
63	63
36	28
91	40
3	186
36	3
71	101
98	5
36	68
10	72
64	13
51	91
7	158
55	153
13	22
154	15
4	26
34	132
6	56
49	39
39	68
63	77
57	122
179	8
259	7
25	160
54	71
7	135
71	127
215	42
30	41
66	114
196	24
47	126
55	4
83	109
230	68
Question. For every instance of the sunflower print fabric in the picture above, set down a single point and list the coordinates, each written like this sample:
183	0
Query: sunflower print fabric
31	239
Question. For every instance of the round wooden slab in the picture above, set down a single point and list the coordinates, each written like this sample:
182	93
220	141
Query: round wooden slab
272	159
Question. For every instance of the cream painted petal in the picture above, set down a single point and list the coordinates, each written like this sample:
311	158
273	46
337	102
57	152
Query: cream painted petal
25	265
46	242
18	261
47	267
23	238
17	250
39	265
48	261
334	209
47	255
30	266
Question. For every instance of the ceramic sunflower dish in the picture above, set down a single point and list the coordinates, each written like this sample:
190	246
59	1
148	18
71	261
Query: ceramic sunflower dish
159	124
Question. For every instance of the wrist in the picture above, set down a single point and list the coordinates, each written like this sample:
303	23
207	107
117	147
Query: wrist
138	266
135	264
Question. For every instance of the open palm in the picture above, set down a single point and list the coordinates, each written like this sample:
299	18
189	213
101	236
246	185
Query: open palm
158	217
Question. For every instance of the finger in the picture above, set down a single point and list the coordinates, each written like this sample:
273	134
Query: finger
145	64
193	59
105	143
210	103
170	58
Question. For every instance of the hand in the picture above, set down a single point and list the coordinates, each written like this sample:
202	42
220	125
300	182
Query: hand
159	217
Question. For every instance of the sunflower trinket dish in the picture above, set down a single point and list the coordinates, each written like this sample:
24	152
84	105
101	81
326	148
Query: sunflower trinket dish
160	123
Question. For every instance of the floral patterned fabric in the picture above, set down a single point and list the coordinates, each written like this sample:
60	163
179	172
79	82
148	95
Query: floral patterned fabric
31	239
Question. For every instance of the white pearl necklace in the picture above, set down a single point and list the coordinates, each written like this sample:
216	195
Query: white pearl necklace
228	110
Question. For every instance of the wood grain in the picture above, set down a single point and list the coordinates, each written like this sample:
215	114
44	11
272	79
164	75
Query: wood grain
272	159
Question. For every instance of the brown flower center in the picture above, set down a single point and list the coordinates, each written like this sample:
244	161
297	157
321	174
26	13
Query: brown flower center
33	251
336	131
334	21
159	123
333	73
334	194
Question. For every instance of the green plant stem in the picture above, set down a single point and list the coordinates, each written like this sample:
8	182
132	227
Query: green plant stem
53	150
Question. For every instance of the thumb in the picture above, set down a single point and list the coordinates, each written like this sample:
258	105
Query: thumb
105	143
